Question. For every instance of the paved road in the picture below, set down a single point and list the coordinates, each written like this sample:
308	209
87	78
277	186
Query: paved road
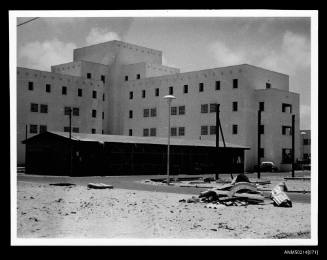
131	183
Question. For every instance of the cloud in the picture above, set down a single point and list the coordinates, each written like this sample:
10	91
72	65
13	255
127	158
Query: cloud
98	35
226	56
165	62
42	55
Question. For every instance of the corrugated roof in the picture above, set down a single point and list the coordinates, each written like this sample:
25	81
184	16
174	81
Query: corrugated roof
143	140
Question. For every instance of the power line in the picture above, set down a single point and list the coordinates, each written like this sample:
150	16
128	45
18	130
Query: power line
28	21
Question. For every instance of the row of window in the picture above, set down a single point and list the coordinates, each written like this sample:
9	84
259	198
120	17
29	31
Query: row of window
64	90
35	108
205	130
34	129
102	77
150	112
138	76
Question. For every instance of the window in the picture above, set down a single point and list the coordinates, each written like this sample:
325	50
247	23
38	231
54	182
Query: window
171	90
75	130
79	92
47	88
102	97
212	129
262	152
181	110
130	113
286	155
235	106
43	108
43	128
204	130
93	131
201	87
88	75
33	129
34	107
143	93
66	129
146	112
235	83
131	95
153	112
235	129
173	111
262	129
286	108
173	131
181	131
156	92
94	94
185	89
306	142
64	90
126	78
94	113
75	111
262	106
138	76
286	130
103	78
67	111
146	132
102	115
30	85
217	85
153	131
130	132
204	108
268	85
213	108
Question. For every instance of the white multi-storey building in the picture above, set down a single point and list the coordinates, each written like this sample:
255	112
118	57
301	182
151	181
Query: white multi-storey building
122	86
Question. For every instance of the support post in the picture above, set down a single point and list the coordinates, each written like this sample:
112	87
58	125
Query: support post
293	144
26	129
168	146
70	143
217	140
259	141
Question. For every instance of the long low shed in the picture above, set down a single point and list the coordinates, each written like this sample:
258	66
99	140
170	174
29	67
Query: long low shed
53	153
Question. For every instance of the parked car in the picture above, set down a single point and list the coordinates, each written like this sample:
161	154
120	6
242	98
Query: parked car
267	167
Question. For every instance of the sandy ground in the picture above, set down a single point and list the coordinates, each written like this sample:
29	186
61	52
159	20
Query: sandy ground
45	211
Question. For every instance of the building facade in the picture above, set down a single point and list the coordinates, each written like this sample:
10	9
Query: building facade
305	146
130	82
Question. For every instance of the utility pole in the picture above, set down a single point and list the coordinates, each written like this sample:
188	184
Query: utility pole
70	143
259	141
25	147
293	144
217	140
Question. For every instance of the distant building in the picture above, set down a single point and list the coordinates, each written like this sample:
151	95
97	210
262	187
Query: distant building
305	146
116	88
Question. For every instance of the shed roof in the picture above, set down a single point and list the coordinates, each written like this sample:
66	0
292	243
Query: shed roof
141	140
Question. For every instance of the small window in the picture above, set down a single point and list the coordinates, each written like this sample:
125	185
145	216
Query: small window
103	78
102	115
30	85
34	107
173	131
130	132
153	131
146	112
64	90
94	94
146	132
67	111
156	92
47	88
204	108
181	110
126	78
75	111
217	85
93	131
103	97
286	130
143	93
33	129
262	152
286	108
138	76
185	89
131	95
94	113
235	106
171	90
43	128
235	83
181	131
80	92
212	129
235	129
130	113
173	111
66	129
153	112
262	106
43	108
88	75
286	155
213	108
306	142
204	130
201	87
262	129
75	130
268	85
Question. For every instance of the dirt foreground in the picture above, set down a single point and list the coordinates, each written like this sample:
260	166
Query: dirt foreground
45	211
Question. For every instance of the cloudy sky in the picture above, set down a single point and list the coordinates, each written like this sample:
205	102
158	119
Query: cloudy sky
280	44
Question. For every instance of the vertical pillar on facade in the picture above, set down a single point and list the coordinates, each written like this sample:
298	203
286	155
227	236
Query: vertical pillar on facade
293	144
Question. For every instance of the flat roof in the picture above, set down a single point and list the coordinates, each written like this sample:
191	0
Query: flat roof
142	140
